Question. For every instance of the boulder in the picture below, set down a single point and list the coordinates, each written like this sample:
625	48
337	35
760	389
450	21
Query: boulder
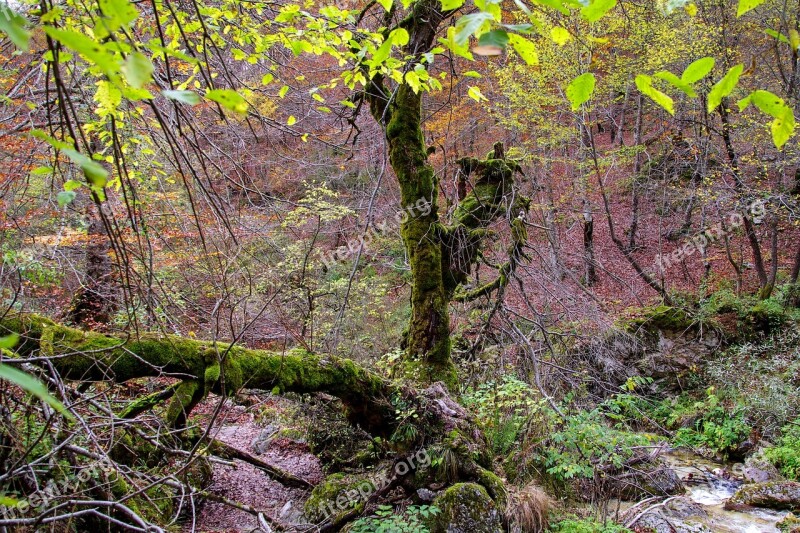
780	495
677	515
465	508
758	470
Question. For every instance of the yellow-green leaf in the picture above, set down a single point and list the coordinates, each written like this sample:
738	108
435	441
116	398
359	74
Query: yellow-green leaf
747	5
13	25
580	90
33	386
138	70
645	85
525	48
595	11
228	99
698	70
291	121
476	94
724	87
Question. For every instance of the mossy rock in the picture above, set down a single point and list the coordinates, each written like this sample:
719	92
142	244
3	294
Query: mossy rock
465	508
780	495
336	495
662	317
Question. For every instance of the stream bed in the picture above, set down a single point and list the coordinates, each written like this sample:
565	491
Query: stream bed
710	485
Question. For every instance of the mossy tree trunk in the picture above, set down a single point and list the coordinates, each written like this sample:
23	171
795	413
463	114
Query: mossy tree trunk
441	257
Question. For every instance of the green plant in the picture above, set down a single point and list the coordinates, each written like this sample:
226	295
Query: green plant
786	455
585	442
717	429
503	406
386	520
586	525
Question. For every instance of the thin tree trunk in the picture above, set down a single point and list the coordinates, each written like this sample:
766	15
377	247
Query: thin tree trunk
637	168
752	238
590	272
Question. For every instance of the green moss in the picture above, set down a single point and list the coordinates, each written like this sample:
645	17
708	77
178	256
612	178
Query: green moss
337	494
494	486
465	507
661	317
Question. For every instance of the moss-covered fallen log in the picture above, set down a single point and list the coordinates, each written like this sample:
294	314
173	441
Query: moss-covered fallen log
203	367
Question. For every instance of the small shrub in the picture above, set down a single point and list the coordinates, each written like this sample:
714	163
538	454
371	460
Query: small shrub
586	525
786	455
503	406
386	521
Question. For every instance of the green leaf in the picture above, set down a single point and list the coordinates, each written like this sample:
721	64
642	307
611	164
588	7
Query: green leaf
184	97
724	87
42	171
747	5
33	386
783	126
283	91
595	11
71	185
781	37
412	79
555	4
228	99
291	121
498	38
9	341
13	25
96	175
471	74
450	5
467	25
698	70
525	48
580	90
118	13
645	85
385	4
65	198
95	53
138	70
676	82
476	94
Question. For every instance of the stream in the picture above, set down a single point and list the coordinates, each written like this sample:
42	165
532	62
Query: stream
707	486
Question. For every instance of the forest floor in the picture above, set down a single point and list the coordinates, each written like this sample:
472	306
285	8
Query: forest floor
245	427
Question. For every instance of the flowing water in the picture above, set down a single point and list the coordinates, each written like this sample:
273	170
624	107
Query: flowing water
706	484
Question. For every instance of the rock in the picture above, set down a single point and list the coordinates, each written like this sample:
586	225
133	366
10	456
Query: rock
759	470
465	508
780	495
260	443
678	515
426	495
637	482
